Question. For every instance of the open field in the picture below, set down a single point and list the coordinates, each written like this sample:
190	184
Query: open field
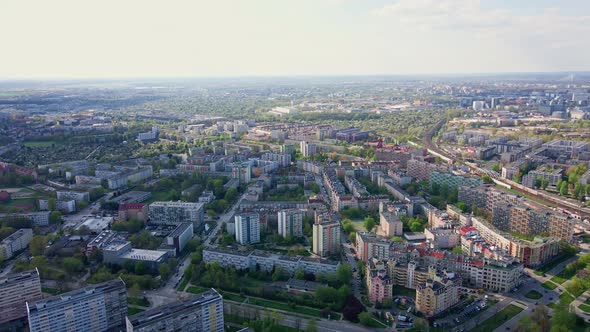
39	144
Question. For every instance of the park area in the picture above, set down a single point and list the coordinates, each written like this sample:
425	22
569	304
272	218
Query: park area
500	318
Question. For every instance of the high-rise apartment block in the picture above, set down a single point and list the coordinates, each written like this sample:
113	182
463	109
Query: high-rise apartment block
307	149
290	223
100	307
203	312
247	227
326	237
15	290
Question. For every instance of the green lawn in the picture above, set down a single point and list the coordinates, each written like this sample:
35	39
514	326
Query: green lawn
549	285
275	305
403	291
534	295
359	225
500	318
182	285
197	289
584	307
133	311
558	279
137	301
48	290
587	301
566	297
39	144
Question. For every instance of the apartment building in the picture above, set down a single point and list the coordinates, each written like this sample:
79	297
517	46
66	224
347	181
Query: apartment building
15	242
100	307
290	223
247	228
307	149
203	312
379	284
15	290
370	245
176	212
78	196
326	237
265	261
390	224
439	293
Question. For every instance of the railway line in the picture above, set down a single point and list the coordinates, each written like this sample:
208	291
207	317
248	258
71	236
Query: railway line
576	210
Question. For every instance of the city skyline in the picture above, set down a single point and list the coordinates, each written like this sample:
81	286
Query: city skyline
68	39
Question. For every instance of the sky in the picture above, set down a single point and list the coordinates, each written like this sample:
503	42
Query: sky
208	38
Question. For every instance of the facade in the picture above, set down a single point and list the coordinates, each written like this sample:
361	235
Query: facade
179	237
15	290
40	218
290	223
438	294
15	242
442	238
370	245
307	149
203	312
326	238
78	196
265	261
137	211
379	285
390	224
176	213
247	228
100	307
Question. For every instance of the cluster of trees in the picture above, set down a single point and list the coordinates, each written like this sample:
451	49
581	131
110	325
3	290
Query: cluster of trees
145	240
579	273
571	186
563	319
414	224
441	195
348	228
286	194
131	226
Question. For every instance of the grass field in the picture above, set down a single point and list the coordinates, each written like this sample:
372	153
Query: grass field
403	291
534	295
182	285
133	311
137	301
549	285
197	289
48	290
359	225
275	305
39	144
584	307
558	279
500	318
566	297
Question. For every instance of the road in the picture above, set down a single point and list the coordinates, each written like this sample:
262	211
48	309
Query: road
168	292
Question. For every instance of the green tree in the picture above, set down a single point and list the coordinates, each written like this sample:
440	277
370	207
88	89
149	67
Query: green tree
164	271
140	268
421	324
344	273
370	223
564	188
366	319
312	326
51	204
457	250
55	217
37	245
299	274
72	264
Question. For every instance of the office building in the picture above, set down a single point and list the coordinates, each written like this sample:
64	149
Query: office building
15	290
176	213
100	307
247	228
326	237
176	241
203	312
290	223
